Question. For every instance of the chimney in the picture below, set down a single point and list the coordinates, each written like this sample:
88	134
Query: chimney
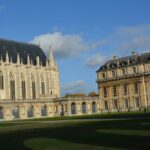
134	53
115	57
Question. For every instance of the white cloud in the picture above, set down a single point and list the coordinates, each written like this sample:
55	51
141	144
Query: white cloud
64	45
95	60
122	42
135	38
74	87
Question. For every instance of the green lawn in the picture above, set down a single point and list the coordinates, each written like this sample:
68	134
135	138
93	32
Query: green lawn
77	135
95	116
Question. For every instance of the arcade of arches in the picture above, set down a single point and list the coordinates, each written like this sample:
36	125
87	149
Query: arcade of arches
61	107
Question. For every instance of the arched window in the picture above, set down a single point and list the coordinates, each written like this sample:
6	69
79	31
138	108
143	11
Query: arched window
93	107
1	81
12	89
12	86
15	112
73	108
83	107
30	111
1	113
44	110
33	90
23	84
43	87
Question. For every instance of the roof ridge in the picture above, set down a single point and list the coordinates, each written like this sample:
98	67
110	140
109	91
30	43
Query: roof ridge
19	42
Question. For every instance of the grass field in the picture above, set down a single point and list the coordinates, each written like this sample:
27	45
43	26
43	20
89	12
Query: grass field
43	134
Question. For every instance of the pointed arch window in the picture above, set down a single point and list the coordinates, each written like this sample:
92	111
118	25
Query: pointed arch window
23	85
1	81
12	86
43	87
12	89
33	90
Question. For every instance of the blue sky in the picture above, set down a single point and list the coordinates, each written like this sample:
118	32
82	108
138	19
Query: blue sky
83	33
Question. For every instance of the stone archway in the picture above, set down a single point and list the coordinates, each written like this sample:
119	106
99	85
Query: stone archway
94	107
84	107
15	112
73	108
1	112
30	111
44	110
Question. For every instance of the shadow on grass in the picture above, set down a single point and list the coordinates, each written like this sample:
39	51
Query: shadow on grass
82	133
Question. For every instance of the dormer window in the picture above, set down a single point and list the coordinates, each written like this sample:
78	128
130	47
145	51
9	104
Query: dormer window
133	61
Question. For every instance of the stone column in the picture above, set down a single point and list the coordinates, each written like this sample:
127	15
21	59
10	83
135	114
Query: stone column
144	91
6	84
120	97
110	95
131	95
37	84
28	85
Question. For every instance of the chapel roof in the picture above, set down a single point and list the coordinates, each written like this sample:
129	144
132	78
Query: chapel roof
23	49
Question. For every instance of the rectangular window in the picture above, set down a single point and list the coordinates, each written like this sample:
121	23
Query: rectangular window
136	88
103	75
125	90
134	70
105	91
115	104
114	91
137	102
123	72
106	105
126	103
113	73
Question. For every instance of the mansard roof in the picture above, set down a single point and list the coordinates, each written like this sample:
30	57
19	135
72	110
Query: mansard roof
23	49
134	59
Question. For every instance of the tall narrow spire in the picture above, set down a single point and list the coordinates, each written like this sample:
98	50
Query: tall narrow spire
38	61
51	58
7	57
18	59
28	60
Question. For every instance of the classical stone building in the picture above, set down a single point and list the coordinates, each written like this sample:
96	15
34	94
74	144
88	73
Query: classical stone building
124	83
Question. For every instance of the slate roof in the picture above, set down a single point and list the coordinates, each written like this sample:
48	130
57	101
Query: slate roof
23	49
124	61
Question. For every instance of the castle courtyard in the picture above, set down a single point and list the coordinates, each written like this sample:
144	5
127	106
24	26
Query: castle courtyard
120	131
